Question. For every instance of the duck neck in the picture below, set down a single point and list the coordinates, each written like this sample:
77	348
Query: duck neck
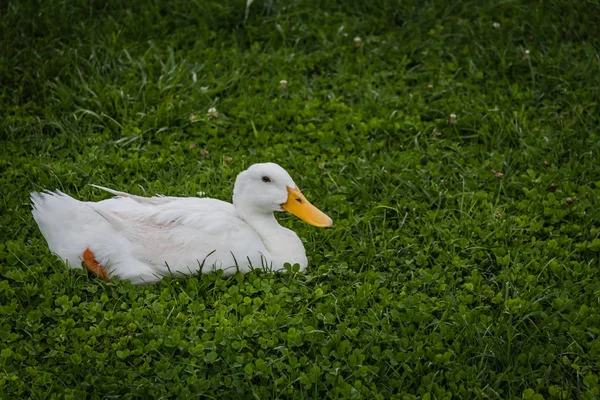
283	244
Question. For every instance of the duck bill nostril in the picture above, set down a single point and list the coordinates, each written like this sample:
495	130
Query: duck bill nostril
298	205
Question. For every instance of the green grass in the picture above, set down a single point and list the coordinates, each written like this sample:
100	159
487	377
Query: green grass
440	278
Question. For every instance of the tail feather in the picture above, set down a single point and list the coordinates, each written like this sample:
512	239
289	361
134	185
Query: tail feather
63	222
154	200
112	191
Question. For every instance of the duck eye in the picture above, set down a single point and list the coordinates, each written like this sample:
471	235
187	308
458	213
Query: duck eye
266	179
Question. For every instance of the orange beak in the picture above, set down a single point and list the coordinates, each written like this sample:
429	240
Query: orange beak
298	205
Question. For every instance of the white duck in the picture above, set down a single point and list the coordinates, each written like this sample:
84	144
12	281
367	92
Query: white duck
142	239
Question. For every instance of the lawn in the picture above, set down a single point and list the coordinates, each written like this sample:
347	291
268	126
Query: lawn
455	144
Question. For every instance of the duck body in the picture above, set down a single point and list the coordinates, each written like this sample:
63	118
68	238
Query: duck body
142	239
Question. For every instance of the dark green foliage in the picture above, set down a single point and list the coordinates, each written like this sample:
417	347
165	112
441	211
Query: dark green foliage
464	257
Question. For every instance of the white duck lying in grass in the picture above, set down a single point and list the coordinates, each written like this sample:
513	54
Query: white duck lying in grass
142	239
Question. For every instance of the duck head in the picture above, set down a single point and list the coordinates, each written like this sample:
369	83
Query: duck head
265	188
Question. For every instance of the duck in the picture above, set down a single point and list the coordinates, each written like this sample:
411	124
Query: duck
142	239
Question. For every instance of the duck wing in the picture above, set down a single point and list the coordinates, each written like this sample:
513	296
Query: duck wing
180	234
